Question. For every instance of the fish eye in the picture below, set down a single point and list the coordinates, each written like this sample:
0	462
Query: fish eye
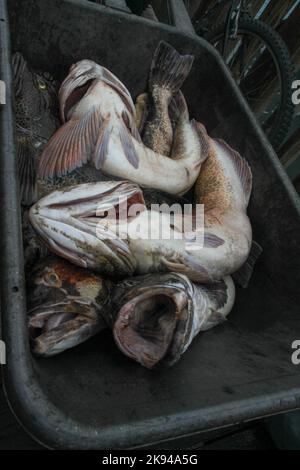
42	85
52	279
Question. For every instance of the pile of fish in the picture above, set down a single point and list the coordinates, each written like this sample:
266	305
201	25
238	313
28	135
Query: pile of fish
87	271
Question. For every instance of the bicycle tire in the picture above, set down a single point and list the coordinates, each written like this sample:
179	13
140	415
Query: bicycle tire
285	67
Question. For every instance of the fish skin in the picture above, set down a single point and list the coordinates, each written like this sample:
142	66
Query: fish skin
168	71
94	104
158	130
155	317
141	109
36	120
224	187
100	128
68	223
66	305
175	175
34	249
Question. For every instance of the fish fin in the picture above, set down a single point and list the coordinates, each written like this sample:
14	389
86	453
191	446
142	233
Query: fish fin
18	67
186	264
208	241
130	123
243	275
205	141
142	111
178	108
71	145
169	69
27	173
101	147
128	146
212	241
218	292
214	318
241	166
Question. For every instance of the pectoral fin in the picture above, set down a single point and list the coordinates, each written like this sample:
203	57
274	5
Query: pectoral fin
217	293
128	146
27	173
131	125
71	145
101	147
212	241
214	318
18	66
186	264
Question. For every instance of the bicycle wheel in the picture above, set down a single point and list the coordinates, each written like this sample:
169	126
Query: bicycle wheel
261	65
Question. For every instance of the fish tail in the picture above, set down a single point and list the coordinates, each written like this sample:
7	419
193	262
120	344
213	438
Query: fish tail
169	69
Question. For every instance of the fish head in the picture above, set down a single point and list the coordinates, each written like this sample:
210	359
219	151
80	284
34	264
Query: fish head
87	224
75	85
35	100
82	75
66	305
154	321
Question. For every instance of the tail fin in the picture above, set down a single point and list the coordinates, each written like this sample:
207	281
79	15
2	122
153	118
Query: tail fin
169	69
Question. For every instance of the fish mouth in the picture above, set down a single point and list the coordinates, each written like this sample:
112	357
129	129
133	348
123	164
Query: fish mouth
82	224
79	79
55	327
75	85
152	328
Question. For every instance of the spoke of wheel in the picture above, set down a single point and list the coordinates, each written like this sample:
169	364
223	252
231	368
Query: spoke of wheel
251	64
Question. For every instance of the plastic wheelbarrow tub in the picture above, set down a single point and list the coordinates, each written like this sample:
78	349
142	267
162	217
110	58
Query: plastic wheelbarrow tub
93	396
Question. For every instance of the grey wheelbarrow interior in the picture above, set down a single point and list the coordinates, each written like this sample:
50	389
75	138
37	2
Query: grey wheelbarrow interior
93	396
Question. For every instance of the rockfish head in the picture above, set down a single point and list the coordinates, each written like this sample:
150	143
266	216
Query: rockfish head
35	100
87	224
66	305
153	318
80	78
